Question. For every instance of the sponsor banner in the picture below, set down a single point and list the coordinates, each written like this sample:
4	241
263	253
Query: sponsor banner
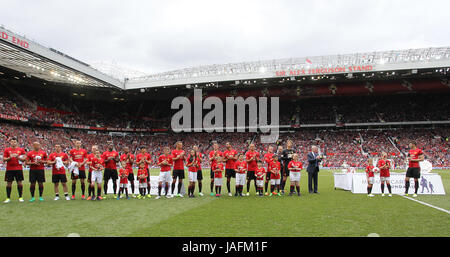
429	184
13	117
154	181
343	181
85	127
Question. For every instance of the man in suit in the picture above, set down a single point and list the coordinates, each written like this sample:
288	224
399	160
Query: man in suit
313	168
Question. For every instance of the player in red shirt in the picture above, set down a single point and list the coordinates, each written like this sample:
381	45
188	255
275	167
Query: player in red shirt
213	159
268	159
59	170
123	185
165	164
275	175
36	159
384	165
415	155
14	156
260	173
142	176
127	160
146	159
199	171
230	157
252	157
295	167
98	164
91	189
241	169
192	164
370	173
218	168
178	157
78	155
111	158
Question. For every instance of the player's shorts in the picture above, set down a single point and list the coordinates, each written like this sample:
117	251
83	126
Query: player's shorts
123	185
178	174
218	181
37	175
56	178
192	176
81	175
199	175
142	184
12	175
251	175
130	177
110	174
260	182
371	180
295	176
413	173
240	179
164	177
385	179
230	173
275	182
97	177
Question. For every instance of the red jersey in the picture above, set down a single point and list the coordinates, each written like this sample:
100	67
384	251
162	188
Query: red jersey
128	159
200	156
369	171
78	155
259	173
218	169
230	154
111	164
275	169
123	175
252	165
240	167
384	172
414	154
296	166
146	157
268	158
178	164
142	175
31	157
97	163
52	157
193	168
89	159
13	163
212	154
167	158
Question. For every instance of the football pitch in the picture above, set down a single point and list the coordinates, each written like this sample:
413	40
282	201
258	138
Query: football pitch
331	213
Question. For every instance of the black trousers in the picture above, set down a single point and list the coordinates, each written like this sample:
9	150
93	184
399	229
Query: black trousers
312	181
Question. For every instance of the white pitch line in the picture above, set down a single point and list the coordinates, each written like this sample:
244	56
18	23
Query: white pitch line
427	204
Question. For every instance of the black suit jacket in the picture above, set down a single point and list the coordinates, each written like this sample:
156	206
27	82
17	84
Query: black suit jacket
313	163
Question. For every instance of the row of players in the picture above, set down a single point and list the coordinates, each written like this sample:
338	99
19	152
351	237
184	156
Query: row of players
103	167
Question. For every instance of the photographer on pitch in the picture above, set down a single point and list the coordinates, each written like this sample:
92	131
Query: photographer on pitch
314	158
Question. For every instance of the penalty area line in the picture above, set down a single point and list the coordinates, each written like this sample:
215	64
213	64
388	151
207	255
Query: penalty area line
427	204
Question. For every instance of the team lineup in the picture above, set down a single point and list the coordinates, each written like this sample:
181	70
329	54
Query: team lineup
273	168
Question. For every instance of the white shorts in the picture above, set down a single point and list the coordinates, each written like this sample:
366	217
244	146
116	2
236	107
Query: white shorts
371	180
275	182
192	176
294	176
142	185
123	186
259	183
240	179
97	177
164	177
385	179
218	181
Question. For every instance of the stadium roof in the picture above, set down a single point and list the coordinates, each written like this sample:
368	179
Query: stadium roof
24	55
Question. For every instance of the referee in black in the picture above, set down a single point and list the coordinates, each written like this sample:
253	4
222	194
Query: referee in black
286	158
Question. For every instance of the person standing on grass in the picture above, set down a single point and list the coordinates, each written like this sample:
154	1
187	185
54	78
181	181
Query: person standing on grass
78	155
178	157
286	158
59	160
275	176
142	177
260	174
14	156
415	156
241	169
268	160
192	164
230	157
252	158
36	160
212	159
90	157
314	160
111	158
165	163
384	164
218	169
127	160
123	184
146	159
98	164
295	167
370	173
199	171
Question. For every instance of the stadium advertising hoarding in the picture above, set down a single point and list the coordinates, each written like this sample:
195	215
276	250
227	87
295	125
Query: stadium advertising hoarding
323	70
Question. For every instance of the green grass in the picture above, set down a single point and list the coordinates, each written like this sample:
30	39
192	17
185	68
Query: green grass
330	213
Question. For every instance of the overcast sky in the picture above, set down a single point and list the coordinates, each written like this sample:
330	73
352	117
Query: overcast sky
156	36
